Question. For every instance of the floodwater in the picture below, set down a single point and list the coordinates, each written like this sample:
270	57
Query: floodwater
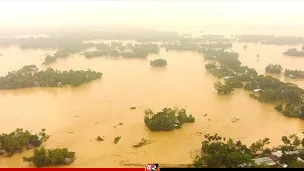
74	117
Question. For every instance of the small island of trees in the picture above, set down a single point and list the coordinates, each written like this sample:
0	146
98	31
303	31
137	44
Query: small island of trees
274	69
50	157
158	62
20	140
166	120
294	52
29	76
294	73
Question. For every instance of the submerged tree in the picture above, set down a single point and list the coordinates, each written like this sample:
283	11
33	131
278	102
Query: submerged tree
167	120
223	89
271	68
49	157
158	62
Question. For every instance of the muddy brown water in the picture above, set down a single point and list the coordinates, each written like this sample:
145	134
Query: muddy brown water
74	117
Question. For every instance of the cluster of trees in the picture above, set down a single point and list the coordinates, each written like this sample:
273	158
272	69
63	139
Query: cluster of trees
166	120
271	90
223	89
59	39
271	40
220	45
158	62
294	52
117	49
182	46
51	59
49	157
275	69
294	73
219	152
288	96
17	141
196	46
189	43
29	76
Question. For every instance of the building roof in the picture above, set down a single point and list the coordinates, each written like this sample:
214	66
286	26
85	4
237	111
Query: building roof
264	160
277	153
292	152
299	159
257	90
227	77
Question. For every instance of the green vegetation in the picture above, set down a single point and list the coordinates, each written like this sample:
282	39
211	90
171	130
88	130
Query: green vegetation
117	49
95	54
199	44
220	45
271	90
275	69
294	73
219	152
158	62
114	49
294	52
279	107
166	120
234	82
222	154
223	89
142	143
29	76
19	140
116	139
99	138
271	40
49	157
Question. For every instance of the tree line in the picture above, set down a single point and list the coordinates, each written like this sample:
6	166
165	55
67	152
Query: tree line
265	88
30	76
20	140
221	152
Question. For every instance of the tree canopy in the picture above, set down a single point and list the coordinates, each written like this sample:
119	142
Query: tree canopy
294	73
274	69
221	152
49	157
267	88
158	62
223	89
20	139
294	52
167	120
29	76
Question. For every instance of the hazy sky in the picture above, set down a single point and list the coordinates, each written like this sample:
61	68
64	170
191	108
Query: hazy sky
149	13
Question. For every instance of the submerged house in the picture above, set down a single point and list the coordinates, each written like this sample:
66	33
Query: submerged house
59	84
264	160
257	90
176	123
